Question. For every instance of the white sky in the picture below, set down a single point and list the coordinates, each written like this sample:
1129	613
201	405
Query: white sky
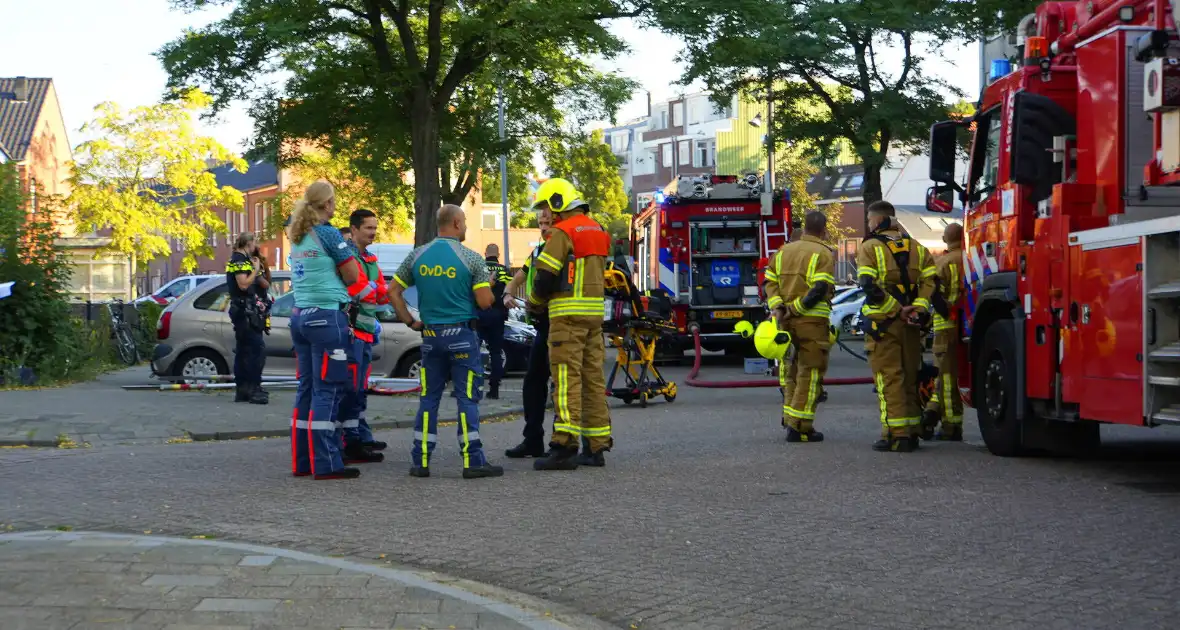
101	50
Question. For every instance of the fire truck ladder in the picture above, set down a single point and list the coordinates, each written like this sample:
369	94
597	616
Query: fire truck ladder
766	234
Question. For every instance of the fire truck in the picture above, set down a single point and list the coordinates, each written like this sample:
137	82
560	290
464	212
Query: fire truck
704	243
1071	263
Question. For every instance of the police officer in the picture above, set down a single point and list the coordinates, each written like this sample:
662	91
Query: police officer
452	280
569	281
359	444
800	283
897	275
536	379
946	404
245	277
491	319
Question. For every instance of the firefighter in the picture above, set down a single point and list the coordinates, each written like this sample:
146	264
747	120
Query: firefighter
569	281
897	275
491	319
947	405
800	283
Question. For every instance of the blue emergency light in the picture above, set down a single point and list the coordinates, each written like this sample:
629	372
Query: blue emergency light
659	196
1000	69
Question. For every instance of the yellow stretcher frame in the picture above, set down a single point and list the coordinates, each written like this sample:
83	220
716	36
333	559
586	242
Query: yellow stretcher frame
635	347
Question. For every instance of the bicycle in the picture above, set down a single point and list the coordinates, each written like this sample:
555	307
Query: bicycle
121	333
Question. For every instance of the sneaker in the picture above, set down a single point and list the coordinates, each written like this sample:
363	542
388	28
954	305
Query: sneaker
420	471
343	473
796	436
479	472
558	458
526	449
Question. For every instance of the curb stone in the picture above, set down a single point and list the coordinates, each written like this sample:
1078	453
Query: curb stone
531	612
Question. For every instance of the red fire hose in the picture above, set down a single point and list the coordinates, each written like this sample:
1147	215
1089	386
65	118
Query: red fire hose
692	381
382	391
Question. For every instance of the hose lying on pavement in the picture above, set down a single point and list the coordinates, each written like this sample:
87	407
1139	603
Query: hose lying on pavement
692	381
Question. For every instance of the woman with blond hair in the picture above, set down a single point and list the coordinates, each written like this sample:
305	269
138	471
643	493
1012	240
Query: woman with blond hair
325	278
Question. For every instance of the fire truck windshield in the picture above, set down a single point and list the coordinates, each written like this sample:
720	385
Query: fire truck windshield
986	160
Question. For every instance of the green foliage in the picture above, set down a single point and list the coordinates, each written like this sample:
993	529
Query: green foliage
520	195
354	189
589	163
37	329
824	61
146	177
409	83
794	169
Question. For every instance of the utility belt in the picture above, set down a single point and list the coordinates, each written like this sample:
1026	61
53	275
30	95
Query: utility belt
247	307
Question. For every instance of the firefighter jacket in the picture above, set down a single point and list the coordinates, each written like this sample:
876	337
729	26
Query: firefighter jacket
950	289
801	276
571	269
895	271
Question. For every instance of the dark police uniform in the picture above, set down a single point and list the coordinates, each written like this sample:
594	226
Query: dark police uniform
491	323
248	317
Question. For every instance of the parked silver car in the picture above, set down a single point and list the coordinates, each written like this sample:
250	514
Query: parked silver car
197	338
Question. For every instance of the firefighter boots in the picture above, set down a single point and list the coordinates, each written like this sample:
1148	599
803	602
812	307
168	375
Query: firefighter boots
375	445
796	436
590	458
930	419
558	458
895	444
526	449
950	433
479	472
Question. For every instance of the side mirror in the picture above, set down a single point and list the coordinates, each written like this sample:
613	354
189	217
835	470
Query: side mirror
944	144
940	199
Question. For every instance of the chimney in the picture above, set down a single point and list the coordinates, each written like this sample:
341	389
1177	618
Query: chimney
20	89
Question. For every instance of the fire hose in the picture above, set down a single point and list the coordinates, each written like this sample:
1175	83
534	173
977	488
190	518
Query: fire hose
692	381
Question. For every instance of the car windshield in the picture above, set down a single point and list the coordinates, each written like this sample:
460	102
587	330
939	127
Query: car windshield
848	296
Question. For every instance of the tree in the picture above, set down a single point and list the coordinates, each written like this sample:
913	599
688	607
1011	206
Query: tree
146	177
820	61
796	170
590	164
520	194
392	202
405	80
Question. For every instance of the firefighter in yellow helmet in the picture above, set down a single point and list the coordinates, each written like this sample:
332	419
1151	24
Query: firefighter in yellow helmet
800	282
569	282
947	404
897	275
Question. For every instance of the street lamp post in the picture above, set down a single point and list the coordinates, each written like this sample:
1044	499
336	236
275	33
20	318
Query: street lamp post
503	174
768	137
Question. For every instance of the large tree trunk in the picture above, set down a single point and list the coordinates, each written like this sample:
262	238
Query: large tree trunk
425	151
871	191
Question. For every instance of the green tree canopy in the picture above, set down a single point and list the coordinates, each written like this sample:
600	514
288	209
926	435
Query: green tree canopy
589	163
146	177
824	61
406	82
795	170
520	194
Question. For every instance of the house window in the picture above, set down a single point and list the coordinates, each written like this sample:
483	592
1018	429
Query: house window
678	114
492	220
33	193
667	155
661	119
257	217
706	154
685	156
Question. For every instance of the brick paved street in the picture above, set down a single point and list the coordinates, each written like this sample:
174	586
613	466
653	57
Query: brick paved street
101	413
703	518
70	580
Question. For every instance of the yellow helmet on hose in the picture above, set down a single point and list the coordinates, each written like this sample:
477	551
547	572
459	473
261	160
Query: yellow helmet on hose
771	342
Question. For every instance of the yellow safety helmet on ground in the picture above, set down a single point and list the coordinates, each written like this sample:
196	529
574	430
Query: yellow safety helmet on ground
771	342
559	194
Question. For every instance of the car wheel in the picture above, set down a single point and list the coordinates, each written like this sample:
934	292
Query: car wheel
199	362
846	325
410	366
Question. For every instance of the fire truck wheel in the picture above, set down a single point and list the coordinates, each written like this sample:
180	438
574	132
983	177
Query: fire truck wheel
995	380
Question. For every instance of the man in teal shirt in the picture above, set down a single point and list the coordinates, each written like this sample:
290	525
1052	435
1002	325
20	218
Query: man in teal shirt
452	281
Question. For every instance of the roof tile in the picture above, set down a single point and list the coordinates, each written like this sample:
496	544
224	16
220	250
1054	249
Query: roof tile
18	119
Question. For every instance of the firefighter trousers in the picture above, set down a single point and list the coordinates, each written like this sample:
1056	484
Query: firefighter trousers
802	382
895	359
947	402
576	356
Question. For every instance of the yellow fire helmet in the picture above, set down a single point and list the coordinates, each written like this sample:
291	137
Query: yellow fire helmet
744	328
559	194
771	342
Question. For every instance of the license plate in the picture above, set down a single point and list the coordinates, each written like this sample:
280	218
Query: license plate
727	314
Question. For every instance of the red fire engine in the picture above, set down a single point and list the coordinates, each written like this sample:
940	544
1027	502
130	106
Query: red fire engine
1072	257
705	245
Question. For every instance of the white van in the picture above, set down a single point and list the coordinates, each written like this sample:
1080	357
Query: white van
389	255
